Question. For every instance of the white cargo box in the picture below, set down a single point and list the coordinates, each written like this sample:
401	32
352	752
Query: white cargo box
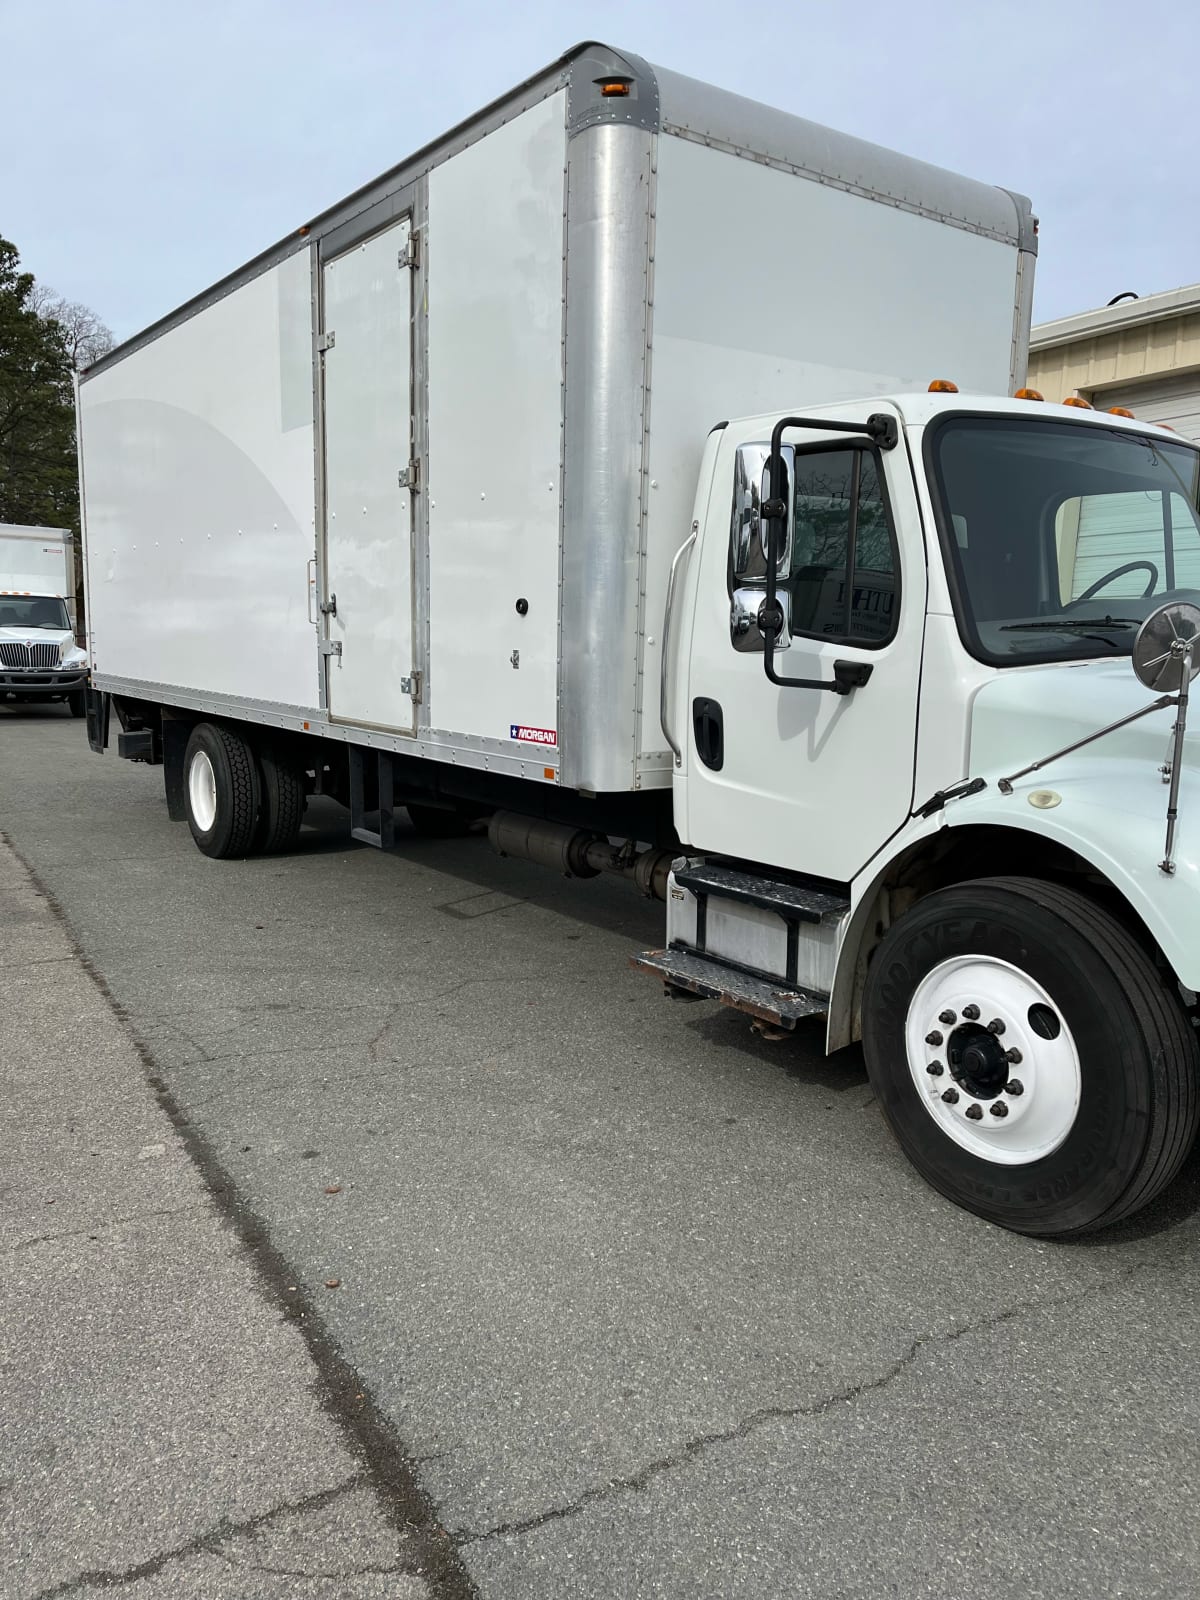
37	561
415	477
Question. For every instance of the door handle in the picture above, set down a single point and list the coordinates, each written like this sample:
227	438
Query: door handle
708	726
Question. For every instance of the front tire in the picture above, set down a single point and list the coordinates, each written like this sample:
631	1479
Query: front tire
76	702
221	790
1029	1057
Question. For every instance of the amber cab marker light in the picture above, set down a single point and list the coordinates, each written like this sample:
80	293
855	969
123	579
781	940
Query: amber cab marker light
1078	400
1167	426
1028	394
614	86
1120	411
943	386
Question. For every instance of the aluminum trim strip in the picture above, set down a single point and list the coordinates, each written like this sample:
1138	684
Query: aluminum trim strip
431	744
608	242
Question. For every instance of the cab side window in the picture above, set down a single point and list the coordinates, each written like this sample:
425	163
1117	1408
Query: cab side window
842	576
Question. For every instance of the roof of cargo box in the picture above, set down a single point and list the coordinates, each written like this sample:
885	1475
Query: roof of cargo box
657	100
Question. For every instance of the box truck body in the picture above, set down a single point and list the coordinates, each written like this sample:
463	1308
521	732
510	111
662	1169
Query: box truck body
39	659
582	474
415	478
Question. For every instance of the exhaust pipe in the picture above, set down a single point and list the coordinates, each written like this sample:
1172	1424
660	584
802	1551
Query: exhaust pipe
577	853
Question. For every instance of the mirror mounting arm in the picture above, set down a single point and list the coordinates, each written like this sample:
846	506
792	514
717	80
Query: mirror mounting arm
1005	785
847	675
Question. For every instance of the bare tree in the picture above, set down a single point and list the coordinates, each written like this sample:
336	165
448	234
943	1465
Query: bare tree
85	336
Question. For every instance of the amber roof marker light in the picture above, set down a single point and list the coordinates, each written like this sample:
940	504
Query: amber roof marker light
1029	394
1121	411
942	386
612	88
1078	400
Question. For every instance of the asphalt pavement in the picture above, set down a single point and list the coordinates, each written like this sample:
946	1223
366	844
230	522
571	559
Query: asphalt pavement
636	1303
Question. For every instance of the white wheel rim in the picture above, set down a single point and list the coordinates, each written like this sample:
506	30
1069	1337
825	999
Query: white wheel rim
1039	1094
202	791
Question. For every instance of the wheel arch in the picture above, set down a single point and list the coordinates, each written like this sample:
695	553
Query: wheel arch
952	855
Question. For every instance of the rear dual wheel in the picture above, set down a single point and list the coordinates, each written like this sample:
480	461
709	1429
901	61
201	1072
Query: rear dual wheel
240	801
1031	1059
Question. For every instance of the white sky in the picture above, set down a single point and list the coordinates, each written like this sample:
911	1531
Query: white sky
150	146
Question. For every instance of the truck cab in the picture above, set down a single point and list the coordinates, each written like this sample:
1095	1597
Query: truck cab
877	626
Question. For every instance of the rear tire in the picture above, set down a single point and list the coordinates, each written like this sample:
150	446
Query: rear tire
282	803
222	792
1102	1055
431	822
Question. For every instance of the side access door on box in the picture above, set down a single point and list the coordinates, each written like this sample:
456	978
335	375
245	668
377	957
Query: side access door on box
366	352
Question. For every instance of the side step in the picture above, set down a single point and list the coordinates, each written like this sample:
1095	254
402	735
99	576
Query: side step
709	978
791	901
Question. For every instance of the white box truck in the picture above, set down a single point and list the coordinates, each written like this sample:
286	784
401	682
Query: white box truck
437	504
39	658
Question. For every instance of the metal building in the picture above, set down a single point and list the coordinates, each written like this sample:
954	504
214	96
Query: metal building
1143	354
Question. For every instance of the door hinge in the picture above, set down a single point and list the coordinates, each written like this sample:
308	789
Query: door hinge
326	341
411	685
331	647
411	254
409	477
329	607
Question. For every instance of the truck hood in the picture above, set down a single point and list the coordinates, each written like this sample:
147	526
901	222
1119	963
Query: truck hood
1026	714
18	635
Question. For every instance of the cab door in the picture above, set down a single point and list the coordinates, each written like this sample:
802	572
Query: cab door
801	778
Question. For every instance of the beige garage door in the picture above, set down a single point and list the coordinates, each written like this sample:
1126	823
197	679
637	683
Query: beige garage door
1173	400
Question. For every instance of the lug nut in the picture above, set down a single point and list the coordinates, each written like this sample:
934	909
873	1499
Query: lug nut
949	1018
998	1108
975	1112
1013	1056
971	1013
995	1026
950	1096
1014	1086
935	1069
933	1038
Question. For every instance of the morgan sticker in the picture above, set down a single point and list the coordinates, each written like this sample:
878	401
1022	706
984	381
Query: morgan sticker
527	735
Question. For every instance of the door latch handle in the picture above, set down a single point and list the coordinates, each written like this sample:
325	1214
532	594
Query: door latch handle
329	607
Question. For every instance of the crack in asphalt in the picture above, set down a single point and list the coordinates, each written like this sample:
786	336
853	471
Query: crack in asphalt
95	1229
635	1482
208	1542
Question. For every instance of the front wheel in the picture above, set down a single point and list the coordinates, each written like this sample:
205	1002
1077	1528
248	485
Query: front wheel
1030	1058
77	704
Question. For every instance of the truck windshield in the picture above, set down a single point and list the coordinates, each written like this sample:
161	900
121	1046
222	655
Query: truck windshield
1061	537
33	611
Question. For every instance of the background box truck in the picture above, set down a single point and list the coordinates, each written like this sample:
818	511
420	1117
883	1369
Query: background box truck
39	658
437	503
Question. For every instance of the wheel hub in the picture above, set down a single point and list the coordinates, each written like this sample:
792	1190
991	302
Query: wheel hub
202	790
978	1061
993	1059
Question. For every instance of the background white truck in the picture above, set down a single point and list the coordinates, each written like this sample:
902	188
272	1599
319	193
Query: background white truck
436	504
39	658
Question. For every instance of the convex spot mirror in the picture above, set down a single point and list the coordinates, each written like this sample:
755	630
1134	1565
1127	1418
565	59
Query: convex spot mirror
745	619
1162	646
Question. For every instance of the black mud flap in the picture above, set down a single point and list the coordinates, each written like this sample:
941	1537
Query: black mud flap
97	709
